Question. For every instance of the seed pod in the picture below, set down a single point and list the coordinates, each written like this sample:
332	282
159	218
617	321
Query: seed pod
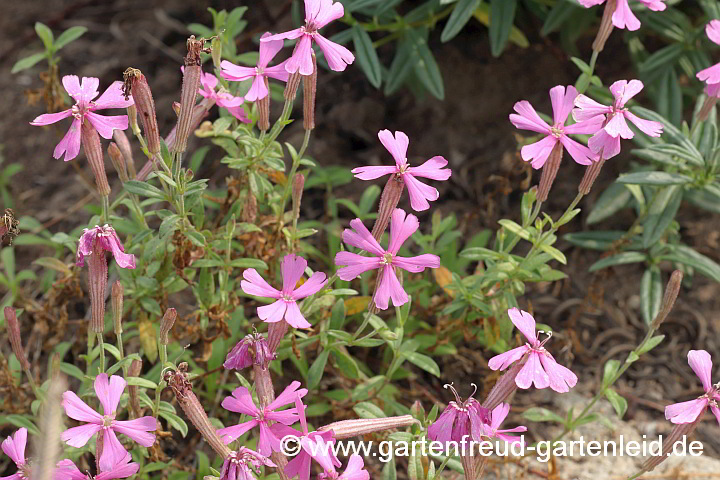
188	93
134	371
166	325
549	172
678	432
276	332
124	145
97	283
118	161
117	306
352	428
388	202
297	191
504	387
15	339
93	151
136	83
263	106
606	26
309	93
671	293
591	174
706	108
291	87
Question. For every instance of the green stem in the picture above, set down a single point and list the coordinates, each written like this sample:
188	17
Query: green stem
293	169
105	209
362	326
533	215
554	228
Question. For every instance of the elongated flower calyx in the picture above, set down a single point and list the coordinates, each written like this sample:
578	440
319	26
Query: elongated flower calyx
135	83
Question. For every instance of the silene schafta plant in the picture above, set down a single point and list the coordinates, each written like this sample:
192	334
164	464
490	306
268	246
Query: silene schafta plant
191	264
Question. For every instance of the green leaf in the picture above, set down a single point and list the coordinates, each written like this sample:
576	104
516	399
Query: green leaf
317	369
19	421
401	65
423	361
72	370
612	200
69	35
502	15
650	344
651	293
538	414
27	62
174	421
144	189
141	382
619	259
515	228
367	56
610	370
45	35
557	16
248	263
460	15
670	131
368	410
654	178
619	403
426	67
688	256
661	213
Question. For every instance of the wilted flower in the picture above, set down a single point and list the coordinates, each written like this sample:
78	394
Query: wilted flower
252	349
418	191
84	108
540	366
687	412
101	239
67	470
108	391
711	75
14	447
606	141
497	416
286	306
355	469
241	402
318	13
242	464
460	419
623	16
258	89
526	118
388	286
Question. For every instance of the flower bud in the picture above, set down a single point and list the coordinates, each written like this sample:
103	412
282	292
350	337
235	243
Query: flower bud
117	306
388	202
352	428
93	151
263	106
707	107
591	174
606	26
166	325
297	190
136	83
134	371
15	339
118	161
309	93
549	172
276	332
123	144
216	51
504	387
291	87
678	432
188	93
97	283
671	293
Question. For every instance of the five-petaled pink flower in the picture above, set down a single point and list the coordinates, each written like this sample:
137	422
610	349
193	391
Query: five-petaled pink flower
318	13
688	412
388	286
103	238
459	420
711	75
623	16
286	306
223	98
355	469
67	470
242	464
526	118
497	417
108	391
540	366
258	89
606	141
14	447
309	447
418	191
84	109
241	401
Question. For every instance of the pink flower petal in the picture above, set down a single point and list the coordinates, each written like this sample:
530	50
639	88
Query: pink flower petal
301	60
417	264
713	90
580	153
288	395
337	56
113	452
272	313
590	3
654	5
397	145
294	318
241	402
419	193
289	35
587	108
258	90
299	466
229	434
504	360
78	436
70	143
587	127
389	288
113	98
355	469
72	86
268	50
563	100
119	471
89	90
623	90
293	268
327	12
603	144
701	363
356	264
710	75
618	127
441	429
432	168
648	127
362	238
624	18
716	412
524	322
138	429
255	285
712	30
538	152
686	412
50	118
401	227
498	415
532	372
313	285
66	469
105	125
14	446
267	443
109	392
278	72
528	119
373	172
78	410
561	378
236	73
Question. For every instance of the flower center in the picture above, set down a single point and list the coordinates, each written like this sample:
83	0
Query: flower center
258	71
557	131
310	28
108	420
404	167
287	298
387	258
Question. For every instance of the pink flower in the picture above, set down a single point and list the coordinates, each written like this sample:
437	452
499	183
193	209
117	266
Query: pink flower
623	17
223	99
108	392
688	412
355	469
285	307
527	118
252	349
67	470
387	287
492	428
103	238
243	464
419	192
540	367
318	13
311	443
712	75
14	447
84	108
607	140
258	89
241	402
459	420
713	90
